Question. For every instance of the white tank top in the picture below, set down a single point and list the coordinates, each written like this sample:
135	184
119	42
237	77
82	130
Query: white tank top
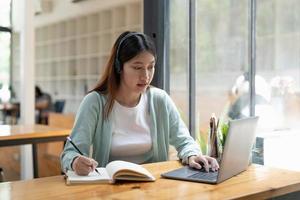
131	138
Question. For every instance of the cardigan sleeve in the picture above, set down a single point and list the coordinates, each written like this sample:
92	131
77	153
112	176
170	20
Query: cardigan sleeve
83	130
179	135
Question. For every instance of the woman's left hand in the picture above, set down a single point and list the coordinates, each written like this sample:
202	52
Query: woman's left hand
203	161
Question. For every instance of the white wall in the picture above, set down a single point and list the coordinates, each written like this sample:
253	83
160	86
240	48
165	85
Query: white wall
64	9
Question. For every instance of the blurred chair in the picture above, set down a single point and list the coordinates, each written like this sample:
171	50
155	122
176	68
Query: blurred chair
59	106
52	150
61	121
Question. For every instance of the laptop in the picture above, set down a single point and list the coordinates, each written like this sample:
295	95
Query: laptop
235	158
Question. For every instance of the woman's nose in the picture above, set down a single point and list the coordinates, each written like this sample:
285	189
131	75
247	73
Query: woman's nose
145	74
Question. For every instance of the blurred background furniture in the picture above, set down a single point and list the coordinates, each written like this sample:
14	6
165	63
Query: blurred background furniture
58	120
10	112
11	135
50	152
59	106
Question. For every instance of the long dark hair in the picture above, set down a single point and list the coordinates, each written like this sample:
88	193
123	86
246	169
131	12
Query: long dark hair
38	91
127	46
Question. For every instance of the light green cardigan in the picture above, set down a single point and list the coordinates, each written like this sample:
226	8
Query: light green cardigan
166	128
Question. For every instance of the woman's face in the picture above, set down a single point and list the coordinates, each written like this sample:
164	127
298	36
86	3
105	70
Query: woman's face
138	72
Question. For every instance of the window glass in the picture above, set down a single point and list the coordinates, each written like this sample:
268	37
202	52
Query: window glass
5	13
278	61
179	31
278	65
222	62
4	57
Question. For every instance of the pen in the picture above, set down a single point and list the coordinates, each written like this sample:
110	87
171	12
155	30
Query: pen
70	140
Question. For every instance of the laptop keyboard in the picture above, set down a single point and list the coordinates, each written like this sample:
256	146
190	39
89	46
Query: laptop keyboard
203	175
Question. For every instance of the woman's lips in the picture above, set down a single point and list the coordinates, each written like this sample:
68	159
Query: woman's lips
142	84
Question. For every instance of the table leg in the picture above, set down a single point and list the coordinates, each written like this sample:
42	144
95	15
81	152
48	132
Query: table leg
35	161
26	162
4	116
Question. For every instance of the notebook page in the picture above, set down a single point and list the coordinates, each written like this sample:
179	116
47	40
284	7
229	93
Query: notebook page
118	165
91	177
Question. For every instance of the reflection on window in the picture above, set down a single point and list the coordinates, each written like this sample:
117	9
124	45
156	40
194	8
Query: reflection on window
222	61
179	56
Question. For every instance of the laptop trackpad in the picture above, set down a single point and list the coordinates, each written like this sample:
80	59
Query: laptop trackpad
187	173
202	175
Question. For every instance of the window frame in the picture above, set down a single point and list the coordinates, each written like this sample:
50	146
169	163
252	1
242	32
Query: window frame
156	19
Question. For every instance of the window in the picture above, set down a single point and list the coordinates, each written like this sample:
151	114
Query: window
5	48
223	71
5	13
222	57
278	68
179	57
278	62
221	31
4	57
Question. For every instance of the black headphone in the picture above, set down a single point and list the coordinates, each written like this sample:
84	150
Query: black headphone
118	66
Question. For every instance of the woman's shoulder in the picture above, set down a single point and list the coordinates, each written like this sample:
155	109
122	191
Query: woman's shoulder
158	95
95	94
161	99
94	97
157	92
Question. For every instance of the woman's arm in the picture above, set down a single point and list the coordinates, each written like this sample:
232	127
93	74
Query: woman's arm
83	130
188	150
180	137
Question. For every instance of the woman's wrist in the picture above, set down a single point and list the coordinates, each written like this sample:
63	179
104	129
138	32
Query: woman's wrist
188	159
73	162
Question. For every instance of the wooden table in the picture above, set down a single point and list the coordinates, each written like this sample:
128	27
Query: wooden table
258	182
31	134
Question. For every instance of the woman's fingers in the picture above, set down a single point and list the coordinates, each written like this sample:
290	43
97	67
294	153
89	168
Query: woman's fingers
193	163
207	162
213	163
83	170
94	164
85	160
204	161
83	165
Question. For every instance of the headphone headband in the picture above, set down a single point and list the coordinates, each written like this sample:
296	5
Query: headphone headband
117	61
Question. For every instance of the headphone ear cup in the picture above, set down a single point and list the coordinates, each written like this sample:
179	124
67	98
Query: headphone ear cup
118	66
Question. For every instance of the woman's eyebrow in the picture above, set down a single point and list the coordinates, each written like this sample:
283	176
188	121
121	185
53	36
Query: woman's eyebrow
139	62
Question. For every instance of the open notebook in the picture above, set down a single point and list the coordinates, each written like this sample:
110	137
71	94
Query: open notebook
115	170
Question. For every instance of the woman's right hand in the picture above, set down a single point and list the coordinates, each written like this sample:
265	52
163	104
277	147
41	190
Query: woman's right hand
83	165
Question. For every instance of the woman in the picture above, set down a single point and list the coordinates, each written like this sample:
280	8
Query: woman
124	118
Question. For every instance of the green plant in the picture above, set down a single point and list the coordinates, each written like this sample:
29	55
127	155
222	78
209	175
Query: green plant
224	131
202	142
